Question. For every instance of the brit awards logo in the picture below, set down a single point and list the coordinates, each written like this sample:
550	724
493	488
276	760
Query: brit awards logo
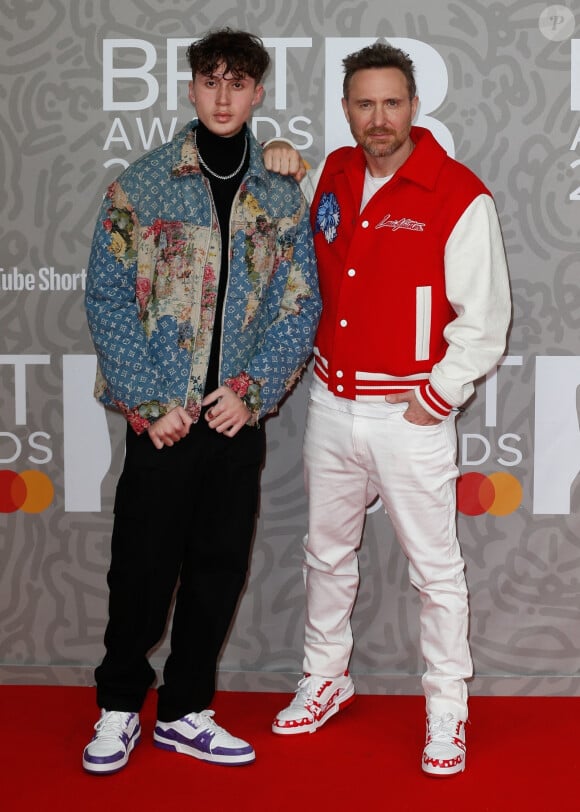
85	437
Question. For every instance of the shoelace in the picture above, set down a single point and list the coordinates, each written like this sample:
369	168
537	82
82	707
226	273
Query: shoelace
112	725
304	693
442	728
209	724
207	715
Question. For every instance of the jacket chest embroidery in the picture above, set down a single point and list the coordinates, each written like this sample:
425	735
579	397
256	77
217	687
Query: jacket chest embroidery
328	217
404	223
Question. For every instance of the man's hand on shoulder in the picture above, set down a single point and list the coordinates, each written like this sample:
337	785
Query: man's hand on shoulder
281	157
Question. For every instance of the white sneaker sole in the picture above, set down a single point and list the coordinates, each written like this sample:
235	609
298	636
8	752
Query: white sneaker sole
237	760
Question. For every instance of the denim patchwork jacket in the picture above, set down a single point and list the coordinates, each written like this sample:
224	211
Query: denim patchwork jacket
153	278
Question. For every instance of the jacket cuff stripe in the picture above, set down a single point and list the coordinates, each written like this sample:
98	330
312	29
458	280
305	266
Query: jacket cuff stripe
432	401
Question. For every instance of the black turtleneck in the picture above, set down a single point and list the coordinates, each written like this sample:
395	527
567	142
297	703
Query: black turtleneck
223	156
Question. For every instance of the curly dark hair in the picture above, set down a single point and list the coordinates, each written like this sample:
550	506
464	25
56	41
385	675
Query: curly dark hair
379	55
242	54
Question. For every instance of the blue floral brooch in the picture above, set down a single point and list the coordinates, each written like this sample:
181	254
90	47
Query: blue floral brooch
328	217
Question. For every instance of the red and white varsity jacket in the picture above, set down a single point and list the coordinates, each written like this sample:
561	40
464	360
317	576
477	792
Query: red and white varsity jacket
415	288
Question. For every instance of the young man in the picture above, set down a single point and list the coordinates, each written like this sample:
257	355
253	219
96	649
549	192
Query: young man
416	307
202	302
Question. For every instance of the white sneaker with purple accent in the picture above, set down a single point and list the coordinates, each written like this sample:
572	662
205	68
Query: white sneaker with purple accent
116	734
198	735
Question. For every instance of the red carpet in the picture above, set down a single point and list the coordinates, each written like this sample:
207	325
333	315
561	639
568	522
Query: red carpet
522	756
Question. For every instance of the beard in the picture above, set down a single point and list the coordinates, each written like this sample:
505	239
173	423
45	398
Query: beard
381	150
377	149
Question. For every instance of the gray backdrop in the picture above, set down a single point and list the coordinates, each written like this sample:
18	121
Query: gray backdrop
500	86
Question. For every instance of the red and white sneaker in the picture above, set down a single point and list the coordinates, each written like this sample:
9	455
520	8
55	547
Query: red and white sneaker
317	699
444	752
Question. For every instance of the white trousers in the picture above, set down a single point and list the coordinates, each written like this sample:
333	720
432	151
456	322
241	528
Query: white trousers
349	459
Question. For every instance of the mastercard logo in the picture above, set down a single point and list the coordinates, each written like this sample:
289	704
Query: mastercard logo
497	494
30	491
